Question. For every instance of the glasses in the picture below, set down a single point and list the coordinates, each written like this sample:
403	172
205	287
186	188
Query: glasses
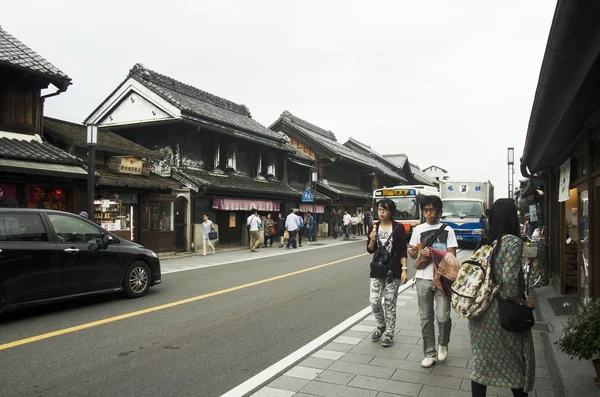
430	210
381	209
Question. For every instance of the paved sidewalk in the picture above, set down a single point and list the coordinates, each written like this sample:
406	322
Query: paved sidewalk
352	365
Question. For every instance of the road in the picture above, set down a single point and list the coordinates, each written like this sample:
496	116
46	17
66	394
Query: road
201	332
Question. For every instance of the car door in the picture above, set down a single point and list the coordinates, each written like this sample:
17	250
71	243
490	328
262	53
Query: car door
87	266
29	264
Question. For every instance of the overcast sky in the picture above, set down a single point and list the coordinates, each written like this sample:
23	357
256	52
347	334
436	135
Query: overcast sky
449	83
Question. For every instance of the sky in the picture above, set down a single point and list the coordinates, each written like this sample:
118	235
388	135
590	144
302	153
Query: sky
449	83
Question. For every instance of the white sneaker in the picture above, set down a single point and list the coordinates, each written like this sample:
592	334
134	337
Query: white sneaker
442	353
428	362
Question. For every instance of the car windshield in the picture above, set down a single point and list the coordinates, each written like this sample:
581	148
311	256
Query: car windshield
406	208
462	209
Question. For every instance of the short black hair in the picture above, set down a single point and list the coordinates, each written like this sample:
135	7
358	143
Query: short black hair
255	211
387	204
434	201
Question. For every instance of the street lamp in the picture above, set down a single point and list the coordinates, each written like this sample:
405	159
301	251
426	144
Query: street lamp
92	141
511	170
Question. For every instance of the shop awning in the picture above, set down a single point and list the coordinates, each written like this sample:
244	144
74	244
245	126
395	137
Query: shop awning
319	209
38	168
243	204
152	181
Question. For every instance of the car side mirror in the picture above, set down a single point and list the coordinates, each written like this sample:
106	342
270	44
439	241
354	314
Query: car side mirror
106	240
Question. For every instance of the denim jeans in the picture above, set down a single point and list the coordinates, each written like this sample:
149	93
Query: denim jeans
292	239
427	294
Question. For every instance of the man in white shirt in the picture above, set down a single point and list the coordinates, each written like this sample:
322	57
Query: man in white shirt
347	221
292	225
427	293
253	223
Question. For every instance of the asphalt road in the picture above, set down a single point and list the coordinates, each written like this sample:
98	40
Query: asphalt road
204	346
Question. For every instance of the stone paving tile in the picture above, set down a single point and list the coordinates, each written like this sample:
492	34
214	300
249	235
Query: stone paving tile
408	332
329	354
362	369
270	392
451	361
332	390
400	364
391	352
491	391
387	385
427	379
357	358
432	391
542	373
358	334
338	378
313	362
408	340
338	347
446	370
364	328
347	340
369	323
303	372
303	395
545	393
542	384
289	383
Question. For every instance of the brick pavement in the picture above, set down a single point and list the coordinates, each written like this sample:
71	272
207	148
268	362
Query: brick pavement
352	365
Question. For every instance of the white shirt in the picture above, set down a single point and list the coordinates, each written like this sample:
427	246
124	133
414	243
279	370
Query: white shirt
206	228
254	222
292	222
421	233
347	219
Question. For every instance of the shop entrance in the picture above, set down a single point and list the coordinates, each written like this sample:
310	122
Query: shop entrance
181	223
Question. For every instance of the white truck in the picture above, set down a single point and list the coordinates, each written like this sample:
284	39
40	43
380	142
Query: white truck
465	204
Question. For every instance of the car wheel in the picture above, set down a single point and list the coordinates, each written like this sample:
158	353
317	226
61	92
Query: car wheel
137	280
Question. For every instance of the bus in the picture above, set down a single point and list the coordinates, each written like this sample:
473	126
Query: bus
406	199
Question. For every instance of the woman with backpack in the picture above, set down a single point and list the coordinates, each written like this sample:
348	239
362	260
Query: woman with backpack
502	358
387	243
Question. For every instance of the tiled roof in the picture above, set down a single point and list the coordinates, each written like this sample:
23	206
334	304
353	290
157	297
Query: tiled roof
237	182
385	165
422	177
202	104
327	139
32	147
152	181
345	190
107	141
398	159
436	166
15	54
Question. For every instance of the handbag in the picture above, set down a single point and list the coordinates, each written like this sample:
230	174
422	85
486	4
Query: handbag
422	263
286	235
272	231
212	235
514	317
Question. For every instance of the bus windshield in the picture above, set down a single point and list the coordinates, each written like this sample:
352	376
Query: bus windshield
462	209
406	209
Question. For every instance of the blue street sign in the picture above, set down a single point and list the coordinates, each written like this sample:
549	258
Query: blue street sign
307	197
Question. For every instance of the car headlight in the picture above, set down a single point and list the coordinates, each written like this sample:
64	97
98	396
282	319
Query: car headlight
477	231
152	253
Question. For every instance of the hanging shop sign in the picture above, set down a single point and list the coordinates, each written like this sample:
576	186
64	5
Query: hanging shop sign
129	165
232	219
564	181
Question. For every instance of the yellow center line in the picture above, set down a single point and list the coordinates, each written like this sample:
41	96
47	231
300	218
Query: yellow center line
165	306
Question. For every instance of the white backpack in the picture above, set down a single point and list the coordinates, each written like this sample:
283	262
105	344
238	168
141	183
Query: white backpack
474	288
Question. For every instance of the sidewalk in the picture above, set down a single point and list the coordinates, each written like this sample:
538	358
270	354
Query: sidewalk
352	365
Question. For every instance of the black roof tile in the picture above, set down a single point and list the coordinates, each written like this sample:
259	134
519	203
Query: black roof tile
33	148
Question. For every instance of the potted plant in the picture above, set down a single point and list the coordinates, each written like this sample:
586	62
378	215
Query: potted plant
581	335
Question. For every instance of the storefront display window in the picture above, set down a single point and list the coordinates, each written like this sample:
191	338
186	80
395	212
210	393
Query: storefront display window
47	198
158	216
115	212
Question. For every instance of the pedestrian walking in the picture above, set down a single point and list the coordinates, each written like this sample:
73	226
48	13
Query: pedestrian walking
335	223
254	223
361	219
502	358
207	227
280	228
427	293
269	230
292	225
367	222
84	214
301	229
387	243
347	219
310	226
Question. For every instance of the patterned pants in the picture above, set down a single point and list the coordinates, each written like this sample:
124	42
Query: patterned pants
385	313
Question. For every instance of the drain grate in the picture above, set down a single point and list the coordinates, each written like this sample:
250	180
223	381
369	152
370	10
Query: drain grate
542	327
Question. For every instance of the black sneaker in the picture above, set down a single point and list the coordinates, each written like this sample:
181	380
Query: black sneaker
377	334
387	341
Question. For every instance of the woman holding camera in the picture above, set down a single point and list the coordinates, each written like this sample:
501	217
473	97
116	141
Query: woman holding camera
387	243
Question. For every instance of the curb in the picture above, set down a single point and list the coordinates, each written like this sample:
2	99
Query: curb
263	378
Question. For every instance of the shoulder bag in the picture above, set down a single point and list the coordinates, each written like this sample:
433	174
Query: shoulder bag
422	263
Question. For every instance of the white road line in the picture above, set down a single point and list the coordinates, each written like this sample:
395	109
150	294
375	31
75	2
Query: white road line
279	367
183	268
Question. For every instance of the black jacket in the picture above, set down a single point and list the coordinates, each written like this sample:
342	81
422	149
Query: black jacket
399	246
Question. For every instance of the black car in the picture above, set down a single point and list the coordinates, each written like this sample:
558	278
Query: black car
47	256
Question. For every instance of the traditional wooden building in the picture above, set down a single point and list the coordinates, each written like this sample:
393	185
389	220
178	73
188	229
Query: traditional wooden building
562	148
33	173
345	174
228	162
125	180
413	173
